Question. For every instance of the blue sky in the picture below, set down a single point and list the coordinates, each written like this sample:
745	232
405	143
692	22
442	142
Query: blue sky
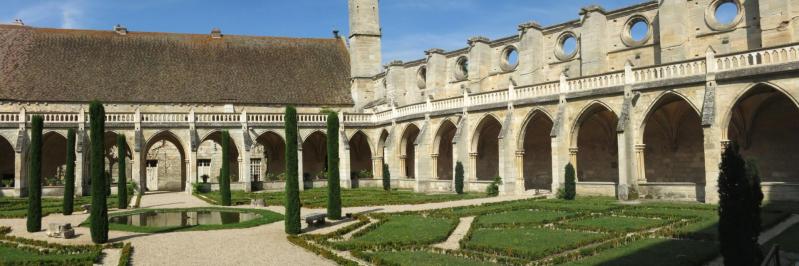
409	26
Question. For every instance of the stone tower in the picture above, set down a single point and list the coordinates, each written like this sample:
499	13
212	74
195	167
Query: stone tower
365	59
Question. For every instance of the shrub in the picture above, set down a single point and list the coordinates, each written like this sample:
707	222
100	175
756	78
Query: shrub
570	188
224	172
292	222
122	186
493	188
69	176
386	178
99	210
333	186
738	198
34	221
459	177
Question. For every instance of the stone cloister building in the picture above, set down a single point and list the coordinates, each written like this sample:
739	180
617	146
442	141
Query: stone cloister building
637	112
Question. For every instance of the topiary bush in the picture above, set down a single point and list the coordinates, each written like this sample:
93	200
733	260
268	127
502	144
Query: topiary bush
459	177
570	187
99	210
292	222
493	188
224	171
386	178
69	175
122	180
34	222
333	185
739	198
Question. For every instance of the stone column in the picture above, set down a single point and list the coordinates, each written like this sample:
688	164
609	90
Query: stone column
479	62
377	167
519	165
403	170
593	41
473	167
573	159
20	173
300	170
437	72
434	166
640	167
345	180
531	43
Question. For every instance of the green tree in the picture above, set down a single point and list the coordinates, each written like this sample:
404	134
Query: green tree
35	176
493	188
292	222
459	177
570	188
69	176
386	178
99	210
739	199
224	172
333	186
122	181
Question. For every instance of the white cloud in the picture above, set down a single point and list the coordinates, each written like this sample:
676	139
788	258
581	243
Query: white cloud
64	14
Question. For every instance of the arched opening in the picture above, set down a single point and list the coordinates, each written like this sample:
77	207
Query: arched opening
381	151
112	158
537	149
209	158
597	148
486	148
764	124
268	162
54	159
446	133
164	163
314	156
673	140
408	151
7	157
360	156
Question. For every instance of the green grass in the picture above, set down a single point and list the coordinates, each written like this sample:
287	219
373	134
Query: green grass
405	230
530	243
18	207
655	252
424	258
521	217
317	197
11	255
265	218
616	223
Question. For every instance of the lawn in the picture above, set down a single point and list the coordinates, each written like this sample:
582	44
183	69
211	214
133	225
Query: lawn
317	197
424	258
22	251
18	207
616	223
404	230
655	252
521	217
530	243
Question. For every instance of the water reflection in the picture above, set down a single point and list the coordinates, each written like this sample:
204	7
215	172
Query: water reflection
184	218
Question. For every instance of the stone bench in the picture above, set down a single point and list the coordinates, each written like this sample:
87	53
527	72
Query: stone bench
315	219
59	230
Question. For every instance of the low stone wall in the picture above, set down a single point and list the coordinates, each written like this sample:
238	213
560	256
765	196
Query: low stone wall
672	191
477	186
596	189
432	186
778	191
8	192
403	183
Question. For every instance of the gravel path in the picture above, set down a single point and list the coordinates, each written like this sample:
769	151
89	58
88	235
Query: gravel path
453	242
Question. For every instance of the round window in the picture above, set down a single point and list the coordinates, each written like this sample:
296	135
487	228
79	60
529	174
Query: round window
723	14
421	78
462	68
636	32
567	46
510	58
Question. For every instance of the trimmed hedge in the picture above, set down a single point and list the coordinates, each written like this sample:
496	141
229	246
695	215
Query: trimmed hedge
459	177
333	185
69	175
224	171
386	178
292	222
34	221
125	254
99	210
122	180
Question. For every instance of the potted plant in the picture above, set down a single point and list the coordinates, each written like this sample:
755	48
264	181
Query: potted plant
205	178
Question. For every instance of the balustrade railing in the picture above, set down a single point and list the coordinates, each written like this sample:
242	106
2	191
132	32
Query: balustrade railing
677	70
9	117
311	118
597	82
217	118
57	117
758	58
266	118
545	89
164	117
118	118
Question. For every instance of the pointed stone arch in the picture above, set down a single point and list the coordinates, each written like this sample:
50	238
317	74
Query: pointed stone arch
360	153
164	157
443	155
7	157
112	157
270	148
594	147
407	150
54	158
314	155
485	148
535	143
209	157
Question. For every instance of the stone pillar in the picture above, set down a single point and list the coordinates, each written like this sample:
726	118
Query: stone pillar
573	158
531	43
397	87
593	41
624	182
299	167
345	179
434	166
674	41
473	167
519	166
20	173
479	62
403	169
640	168
436	72
377	167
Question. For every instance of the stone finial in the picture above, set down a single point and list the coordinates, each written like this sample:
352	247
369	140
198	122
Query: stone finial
530	24
477	39
216	33
18	22
335	34
121	30
592	8
434	51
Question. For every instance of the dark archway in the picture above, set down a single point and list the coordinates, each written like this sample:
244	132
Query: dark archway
445	136
408	150
54	159
272	150
209	158
487	148
673	136
360	155
164	167
7	160
597	148
537	152
314	156
112	157
765	123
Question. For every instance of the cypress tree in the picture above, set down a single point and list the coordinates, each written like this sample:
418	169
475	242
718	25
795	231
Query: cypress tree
570	187
386	178
34	222
333	186
459	177
753	173
224	172
122	181
292	222
99	211
69	176
737	200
